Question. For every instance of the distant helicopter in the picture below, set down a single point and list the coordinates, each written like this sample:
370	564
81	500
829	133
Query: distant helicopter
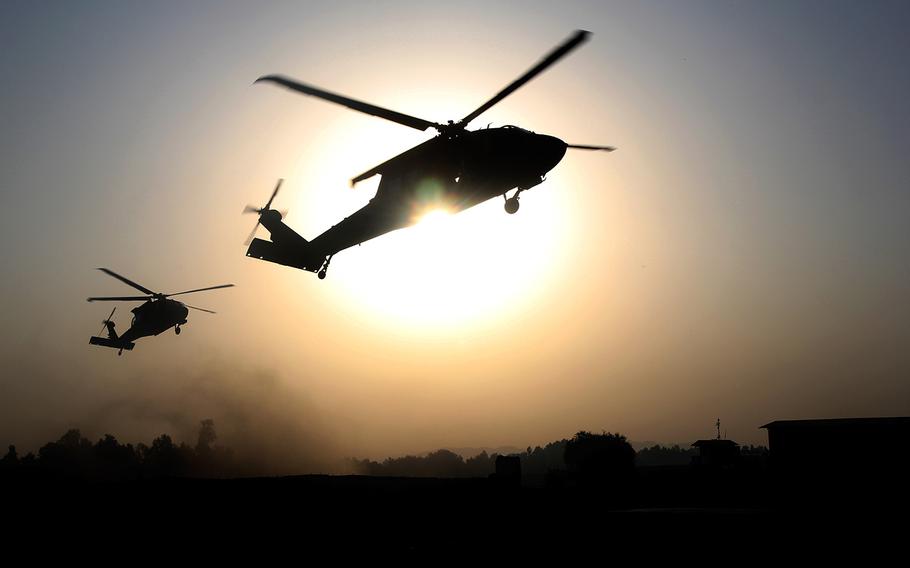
157	314
455	170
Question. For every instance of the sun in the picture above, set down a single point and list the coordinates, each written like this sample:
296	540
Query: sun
452	270
434	218
446	272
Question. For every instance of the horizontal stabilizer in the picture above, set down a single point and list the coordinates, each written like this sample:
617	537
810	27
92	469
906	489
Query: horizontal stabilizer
283	254
114	344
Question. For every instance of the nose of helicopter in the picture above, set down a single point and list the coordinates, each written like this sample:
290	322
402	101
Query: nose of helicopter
551	150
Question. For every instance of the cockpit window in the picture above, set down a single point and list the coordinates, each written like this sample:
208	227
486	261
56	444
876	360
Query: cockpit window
517	128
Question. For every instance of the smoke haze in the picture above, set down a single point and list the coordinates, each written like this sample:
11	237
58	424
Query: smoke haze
272	427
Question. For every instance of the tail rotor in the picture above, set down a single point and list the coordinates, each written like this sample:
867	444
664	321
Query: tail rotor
260	210
107	321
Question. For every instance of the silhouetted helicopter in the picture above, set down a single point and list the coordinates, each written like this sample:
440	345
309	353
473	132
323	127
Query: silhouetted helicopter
157	314
457	169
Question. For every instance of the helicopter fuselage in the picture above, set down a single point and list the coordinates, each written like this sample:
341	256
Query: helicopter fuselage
153	317
448	173
455	170
157	313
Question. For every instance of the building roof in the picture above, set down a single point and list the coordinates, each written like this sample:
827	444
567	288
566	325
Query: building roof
714	442
889	420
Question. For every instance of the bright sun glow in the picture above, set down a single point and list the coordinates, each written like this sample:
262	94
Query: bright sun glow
476	266
435	217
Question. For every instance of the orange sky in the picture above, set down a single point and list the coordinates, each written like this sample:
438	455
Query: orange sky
742	255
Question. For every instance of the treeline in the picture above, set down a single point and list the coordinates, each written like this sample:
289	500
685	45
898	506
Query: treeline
584	451
657	455
445	463
441	463
536	462
75	457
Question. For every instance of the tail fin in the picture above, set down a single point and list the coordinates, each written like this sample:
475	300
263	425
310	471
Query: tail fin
112	340
111	333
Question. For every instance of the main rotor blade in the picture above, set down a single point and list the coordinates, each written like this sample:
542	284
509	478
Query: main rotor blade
126	281
199	290
274	193
200	309
119	299
586	147
400	118
573	42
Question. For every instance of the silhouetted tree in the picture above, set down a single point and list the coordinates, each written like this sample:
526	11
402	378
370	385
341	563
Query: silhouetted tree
480	465
11	459
598	458
658	455
209	460
753	450
114	460
206	435
542	461
441	463
70	456
163	458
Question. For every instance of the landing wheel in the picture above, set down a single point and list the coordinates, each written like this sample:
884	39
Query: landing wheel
177	329
325	267
511	205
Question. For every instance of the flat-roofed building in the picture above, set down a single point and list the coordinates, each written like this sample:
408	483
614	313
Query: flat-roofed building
839	442
859	459
716	453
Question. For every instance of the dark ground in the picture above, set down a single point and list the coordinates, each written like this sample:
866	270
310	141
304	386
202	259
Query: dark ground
662	513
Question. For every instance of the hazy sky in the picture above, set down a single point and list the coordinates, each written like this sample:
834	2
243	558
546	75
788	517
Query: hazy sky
743	255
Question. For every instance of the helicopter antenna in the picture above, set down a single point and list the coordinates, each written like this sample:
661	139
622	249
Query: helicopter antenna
718	428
